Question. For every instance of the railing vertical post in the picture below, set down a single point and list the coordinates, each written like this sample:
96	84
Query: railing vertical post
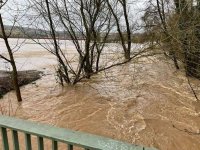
54	145
40	143
15	140
4	138
70	147
28	141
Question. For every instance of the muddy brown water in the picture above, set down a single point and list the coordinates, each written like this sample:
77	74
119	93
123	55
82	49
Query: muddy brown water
145	102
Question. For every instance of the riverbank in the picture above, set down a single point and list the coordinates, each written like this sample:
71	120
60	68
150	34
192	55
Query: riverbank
25	77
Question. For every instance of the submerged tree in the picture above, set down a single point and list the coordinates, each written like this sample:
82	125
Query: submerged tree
125	37
177	28
189	29
89	25
11	59
88	21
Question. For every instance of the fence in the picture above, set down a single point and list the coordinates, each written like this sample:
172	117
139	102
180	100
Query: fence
68	137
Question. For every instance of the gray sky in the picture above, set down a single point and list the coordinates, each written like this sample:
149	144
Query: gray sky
15	8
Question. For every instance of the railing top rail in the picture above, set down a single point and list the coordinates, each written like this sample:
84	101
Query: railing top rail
67	136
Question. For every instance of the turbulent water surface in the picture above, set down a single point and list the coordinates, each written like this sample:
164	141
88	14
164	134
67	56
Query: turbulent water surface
144	102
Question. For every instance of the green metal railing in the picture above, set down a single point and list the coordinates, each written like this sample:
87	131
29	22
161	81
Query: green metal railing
68	137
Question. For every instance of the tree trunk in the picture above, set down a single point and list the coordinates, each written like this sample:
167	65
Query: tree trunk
65	76
126	53
12	62
128	50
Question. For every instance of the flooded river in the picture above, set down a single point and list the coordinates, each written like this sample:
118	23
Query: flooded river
143	102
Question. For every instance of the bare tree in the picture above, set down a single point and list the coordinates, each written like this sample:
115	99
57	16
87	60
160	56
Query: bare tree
89	25
162	15
90	21
179	28
56	46
11	60
113	4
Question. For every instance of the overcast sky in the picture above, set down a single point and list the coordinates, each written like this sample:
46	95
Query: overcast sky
17	8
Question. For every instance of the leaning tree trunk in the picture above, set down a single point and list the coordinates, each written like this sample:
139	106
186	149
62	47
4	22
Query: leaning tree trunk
62	65
12	62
